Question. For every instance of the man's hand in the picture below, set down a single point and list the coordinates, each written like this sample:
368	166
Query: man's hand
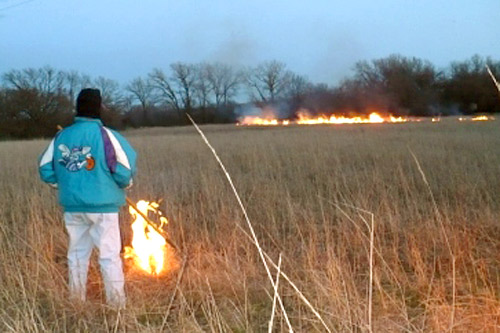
129	185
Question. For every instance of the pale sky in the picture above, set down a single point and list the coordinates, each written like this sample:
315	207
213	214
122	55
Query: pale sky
321	39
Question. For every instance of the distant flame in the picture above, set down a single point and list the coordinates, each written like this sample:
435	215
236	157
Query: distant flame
482	118
304	118
148	248
372	118
476	118
258	121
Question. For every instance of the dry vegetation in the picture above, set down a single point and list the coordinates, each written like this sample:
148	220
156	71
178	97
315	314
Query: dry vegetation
437	246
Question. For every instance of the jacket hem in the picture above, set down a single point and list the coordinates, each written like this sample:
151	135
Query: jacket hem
96	209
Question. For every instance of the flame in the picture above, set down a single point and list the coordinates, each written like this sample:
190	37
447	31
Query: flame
148	248
304	118
477	118
372	118
482	118
265	121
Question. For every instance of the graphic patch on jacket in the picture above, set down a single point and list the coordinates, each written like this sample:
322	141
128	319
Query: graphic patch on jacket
76	158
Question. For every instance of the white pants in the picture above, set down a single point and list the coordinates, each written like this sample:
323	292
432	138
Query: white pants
101	230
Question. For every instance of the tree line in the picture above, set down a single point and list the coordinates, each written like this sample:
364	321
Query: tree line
33	101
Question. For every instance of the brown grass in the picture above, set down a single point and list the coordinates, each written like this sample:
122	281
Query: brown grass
304	189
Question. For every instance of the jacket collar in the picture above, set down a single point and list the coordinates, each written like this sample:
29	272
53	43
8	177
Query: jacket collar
86	119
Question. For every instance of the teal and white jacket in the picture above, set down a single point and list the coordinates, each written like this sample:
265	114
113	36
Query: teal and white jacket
91	165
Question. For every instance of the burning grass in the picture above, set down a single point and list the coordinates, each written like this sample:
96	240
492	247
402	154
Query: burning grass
148	249
304	188
305	118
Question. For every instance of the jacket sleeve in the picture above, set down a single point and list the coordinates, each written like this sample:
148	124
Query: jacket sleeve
120	157
46	165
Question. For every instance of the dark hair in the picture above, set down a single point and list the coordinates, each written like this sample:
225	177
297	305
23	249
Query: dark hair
88	103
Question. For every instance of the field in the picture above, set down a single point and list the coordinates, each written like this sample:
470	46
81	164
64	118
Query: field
430	191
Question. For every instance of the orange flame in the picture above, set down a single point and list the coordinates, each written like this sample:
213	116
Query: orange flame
304	118
482	118
258	121
476	118
372	118
148	248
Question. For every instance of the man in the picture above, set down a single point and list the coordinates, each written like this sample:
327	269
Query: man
91	166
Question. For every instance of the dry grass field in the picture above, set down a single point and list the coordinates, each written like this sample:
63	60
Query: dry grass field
433	191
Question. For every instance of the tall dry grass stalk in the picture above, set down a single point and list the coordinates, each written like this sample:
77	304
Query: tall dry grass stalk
276	294
303	188
247	219
445	236
371	229
493	78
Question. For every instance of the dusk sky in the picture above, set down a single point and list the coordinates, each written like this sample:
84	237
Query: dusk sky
123	39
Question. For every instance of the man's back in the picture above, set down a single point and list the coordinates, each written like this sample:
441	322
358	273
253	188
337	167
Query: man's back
91	165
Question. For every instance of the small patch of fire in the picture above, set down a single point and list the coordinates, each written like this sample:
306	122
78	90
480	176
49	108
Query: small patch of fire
149	247
262	121
477	118
483	118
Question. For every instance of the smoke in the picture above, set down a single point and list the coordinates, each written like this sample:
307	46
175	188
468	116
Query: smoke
339	52
450	110
281	110
238	49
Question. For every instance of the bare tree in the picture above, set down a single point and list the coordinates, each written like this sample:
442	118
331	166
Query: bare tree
165	90
409	84
45	80
469	87
74	82
113	99
202	89
177	90
46	83
36	100
224	82
142	91
184	79
298	86
268	80
110	91
202	86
